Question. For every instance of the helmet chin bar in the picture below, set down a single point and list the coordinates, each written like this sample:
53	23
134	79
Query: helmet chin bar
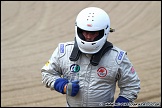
84	43
90	47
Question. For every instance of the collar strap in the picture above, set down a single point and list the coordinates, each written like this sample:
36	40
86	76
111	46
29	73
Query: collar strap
75	53
95	59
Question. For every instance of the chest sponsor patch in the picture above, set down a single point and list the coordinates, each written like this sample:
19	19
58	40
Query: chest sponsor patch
102	72
74	68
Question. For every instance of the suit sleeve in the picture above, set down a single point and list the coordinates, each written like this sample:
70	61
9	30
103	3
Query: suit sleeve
51	70
128	80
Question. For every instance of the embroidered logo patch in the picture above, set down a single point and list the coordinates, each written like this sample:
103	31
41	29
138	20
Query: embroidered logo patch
47	63
61	48
89	25
74	68
101	72
120	55
132	70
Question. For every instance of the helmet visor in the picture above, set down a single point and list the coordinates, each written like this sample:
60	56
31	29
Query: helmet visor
82	37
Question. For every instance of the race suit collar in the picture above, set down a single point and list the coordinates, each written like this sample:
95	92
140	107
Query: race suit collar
95	59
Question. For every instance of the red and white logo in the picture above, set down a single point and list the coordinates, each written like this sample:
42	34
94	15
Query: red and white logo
102	72
89	25
132	70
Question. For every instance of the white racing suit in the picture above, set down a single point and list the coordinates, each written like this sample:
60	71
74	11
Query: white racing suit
97	83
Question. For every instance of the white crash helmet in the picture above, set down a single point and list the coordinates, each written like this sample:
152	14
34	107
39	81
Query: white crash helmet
92	19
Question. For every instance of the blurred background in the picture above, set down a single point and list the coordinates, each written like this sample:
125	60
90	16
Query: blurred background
31	30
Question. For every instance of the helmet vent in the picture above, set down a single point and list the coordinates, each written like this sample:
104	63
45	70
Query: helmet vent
82	42
107	26
90	15
93	43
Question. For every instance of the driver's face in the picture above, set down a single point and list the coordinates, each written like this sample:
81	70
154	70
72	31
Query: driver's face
90	35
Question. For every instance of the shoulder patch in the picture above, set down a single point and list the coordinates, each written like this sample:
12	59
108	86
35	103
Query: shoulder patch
61	49
120	56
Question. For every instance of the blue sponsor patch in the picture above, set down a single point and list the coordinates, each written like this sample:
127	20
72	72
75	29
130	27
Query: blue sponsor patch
61	48
120	55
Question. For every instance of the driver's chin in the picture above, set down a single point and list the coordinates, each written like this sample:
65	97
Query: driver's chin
89	40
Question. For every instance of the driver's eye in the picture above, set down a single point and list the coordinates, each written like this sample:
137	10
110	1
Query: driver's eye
89	32
92	33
